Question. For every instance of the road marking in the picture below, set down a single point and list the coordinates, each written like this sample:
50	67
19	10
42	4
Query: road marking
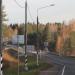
63	71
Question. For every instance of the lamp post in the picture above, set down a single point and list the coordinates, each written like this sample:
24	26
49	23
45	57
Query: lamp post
38	29
1	59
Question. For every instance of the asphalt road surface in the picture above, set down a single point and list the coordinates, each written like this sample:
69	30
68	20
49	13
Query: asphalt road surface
62	61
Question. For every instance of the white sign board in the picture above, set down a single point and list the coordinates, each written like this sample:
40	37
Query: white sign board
18	39
21	39
45	44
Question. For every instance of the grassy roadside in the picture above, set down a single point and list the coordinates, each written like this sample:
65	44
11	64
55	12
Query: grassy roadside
33	68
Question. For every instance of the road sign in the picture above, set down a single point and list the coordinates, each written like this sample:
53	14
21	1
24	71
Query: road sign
46	44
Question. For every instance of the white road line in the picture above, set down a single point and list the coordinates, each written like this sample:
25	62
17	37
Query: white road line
63	71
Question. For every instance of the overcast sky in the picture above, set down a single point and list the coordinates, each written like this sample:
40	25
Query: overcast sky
64	10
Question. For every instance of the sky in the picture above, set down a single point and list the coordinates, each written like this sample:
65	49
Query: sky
64	10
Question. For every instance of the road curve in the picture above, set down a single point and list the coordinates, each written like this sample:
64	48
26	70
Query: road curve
61	60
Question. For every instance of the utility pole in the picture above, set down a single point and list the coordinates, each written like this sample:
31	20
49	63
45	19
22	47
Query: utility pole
25	37
1	59
37	40
18	49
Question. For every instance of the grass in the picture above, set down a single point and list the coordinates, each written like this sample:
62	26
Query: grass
33	68
12	71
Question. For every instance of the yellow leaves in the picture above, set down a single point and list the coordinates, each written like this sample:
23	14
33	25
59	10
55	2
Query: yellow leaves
9	32
59	43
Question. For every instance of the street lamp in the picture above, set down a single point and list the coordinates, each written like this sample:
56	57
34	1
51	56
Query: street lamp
38	27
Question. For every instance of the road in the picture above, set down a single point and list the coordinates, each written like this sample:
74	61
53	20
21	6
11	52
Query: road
62	61
68	70
52	71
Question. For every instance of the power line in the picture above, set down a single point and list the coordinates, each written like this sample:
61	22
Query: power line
24	7
19	4
30	13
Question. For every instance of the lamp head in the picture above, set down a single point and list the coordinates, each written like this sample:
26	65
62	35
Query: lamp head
52	5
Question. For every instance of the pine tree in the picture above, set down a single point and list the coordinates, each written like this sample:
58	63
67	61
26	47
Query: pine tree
72	35
67	46
4	20
4	15
46	34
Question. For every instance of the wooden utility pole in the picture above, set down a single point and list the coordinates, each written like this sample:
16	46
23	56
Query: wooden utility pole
37	48
25	37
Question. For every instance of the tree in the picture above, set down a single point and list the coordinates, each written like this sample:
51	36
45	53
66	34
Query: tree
4	28
46	34
52	43
4	19
52	46
21	29
58	28
4	15
67	46
32	38
72	36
